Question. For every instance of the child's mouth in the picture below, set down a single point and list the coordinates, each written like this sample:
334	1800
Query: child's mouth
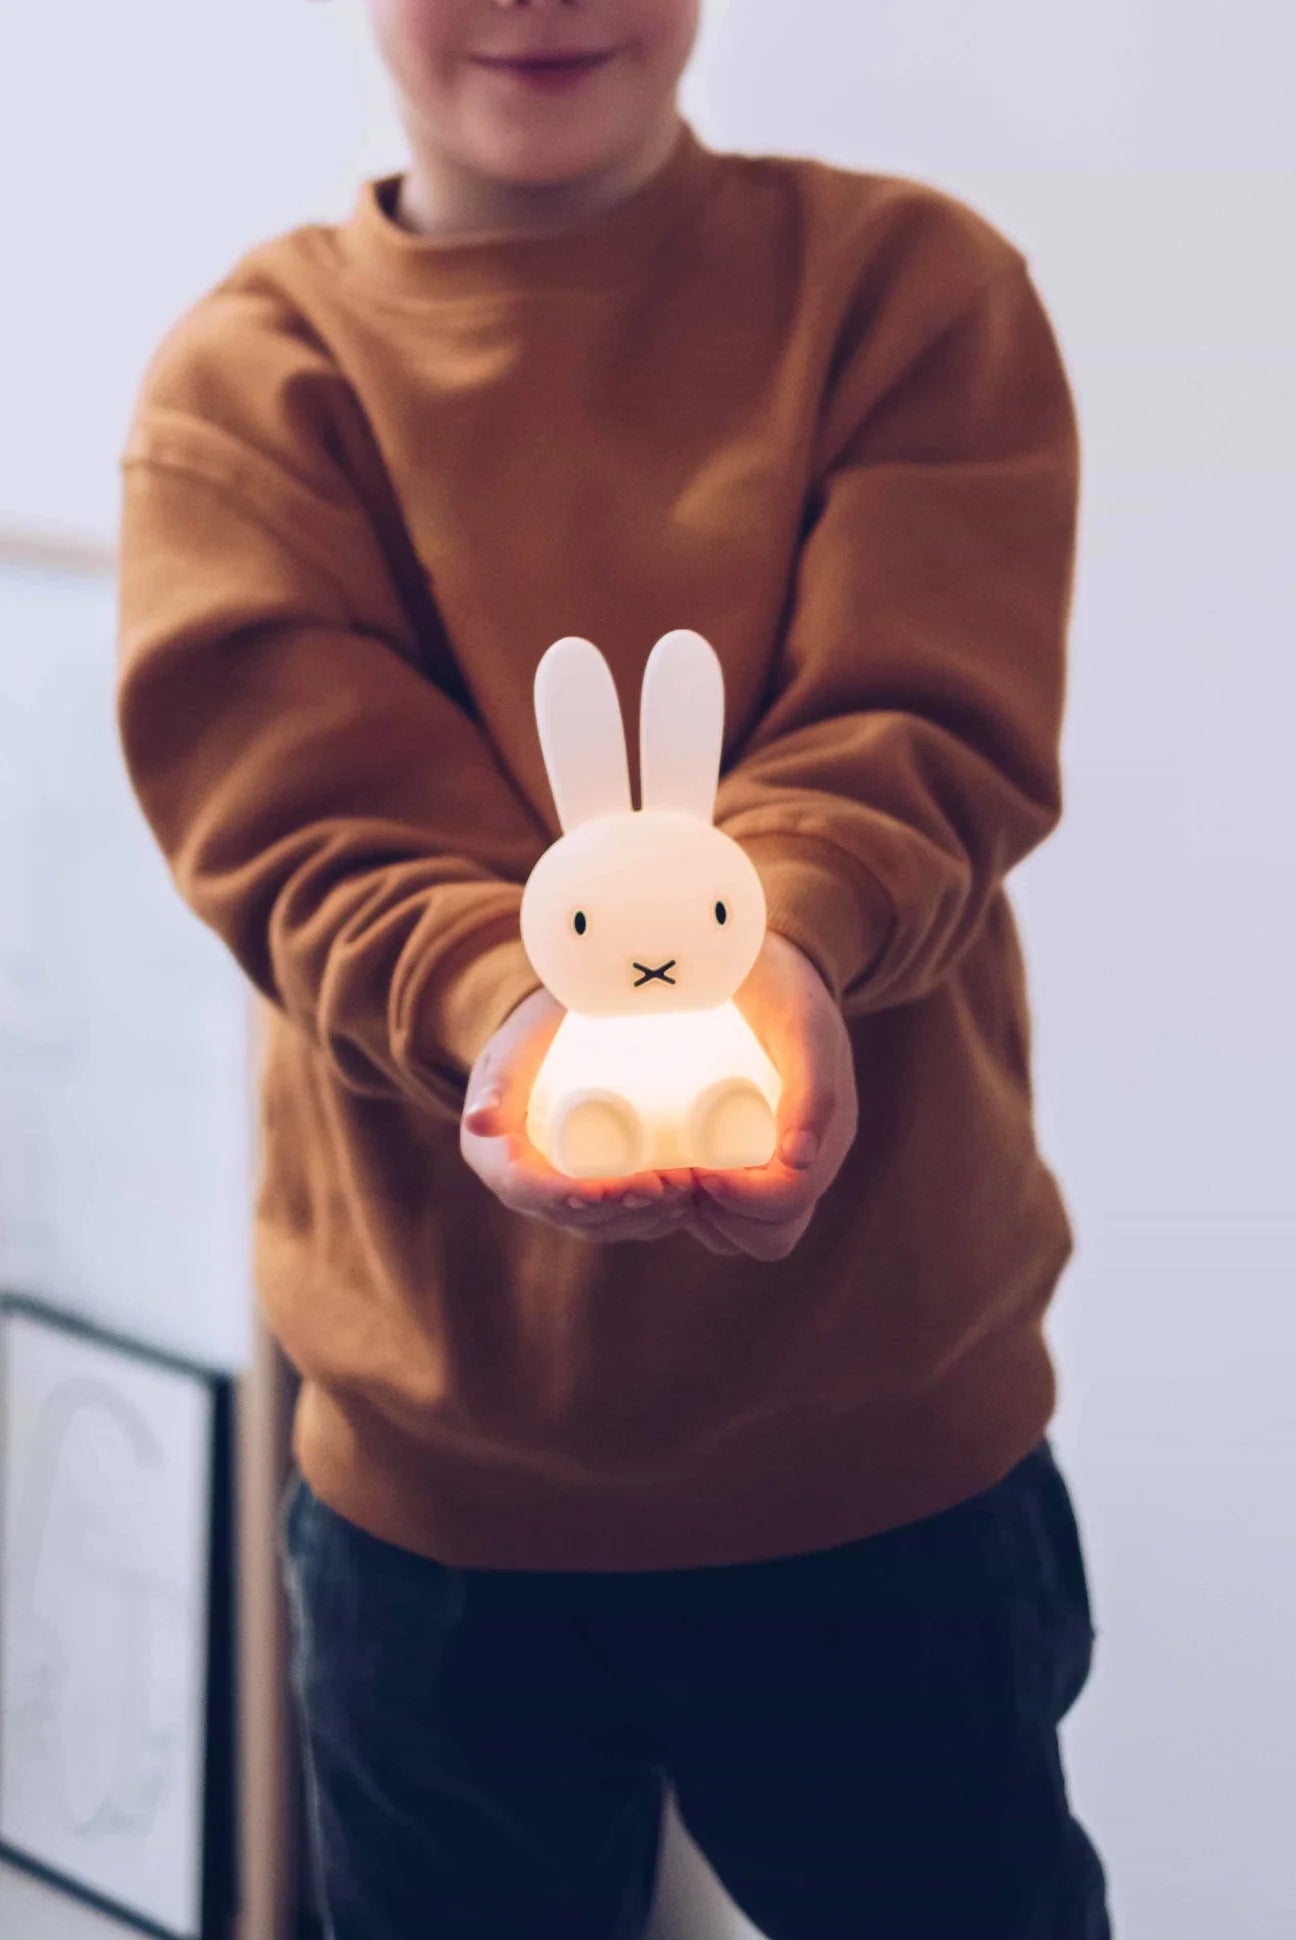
551	75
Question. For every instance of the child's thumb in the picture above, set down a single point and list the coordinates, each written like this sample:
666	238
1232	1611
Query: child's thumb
809	1098
499	1096
482	1115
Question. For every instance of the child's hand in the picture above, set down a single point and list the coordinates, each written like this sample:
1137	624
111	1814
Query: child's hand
759	1210
493	1140
763	1210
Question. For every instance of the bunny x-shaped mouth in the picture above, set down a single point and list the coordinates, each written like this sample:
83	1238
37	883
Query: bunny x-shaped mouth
648	974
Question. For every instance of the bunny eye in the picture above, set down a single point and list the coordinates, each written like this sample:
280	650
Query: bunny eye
578	922
720	913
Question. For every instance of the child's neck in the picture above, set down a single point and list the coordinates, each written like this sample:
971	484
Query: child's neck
440	197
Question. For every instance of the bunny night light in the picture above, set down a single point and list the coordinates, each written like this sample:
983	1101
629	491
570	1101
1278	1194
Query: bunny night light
643	923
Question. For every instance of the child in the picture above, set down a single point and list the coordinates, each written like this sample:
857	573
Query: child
736	1482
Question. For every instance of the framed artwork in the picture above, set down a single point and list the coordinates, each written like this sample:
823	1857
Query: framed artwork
117	1773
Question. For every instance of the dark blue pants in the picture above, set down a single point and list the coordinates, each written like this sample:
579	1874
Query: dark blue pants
861	1740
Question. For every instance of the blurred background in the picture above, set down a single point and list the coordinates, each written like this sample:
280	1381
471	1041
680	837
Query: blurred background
1142	153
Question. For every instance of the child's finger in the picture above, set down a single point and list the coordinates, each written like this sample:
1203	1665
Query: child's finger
501	1104
805	1041
806	1104
483	1116
554	1193
771	1193
613	1224
500	1085
762	1239
700	1223
677	1178
635	1189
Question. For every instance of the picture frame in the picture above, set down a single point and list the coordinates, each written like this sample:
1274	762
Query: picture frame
117	1632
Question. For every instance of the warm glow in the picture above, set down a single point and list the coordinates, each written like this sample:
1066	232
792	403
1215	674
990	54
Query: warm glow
704	1093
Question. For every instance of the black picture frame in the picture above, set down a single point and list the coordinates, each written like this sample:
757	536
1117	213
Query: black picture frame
149	1722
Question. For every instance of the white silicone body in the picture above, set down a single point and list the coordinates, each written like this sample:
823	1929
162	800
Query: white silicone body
666	1079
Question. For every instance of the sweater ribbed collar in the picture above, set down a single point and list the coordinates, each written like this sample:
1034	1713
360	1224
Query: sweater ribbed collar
610	246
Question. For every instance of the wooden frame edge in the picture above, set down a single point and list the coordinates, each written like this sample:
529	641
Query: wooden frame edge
270	1851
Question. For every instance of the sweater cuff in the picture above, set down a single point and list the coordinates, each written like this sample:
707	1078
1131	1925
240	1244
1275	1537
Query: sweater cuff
467	1001
818	897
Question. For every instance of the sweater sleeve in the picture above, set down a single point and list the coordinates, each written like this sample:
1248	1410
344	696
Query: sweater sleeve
909	754
326	808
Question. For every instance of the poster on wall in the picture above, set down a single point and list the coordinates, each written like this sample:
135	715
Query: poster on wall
116	1622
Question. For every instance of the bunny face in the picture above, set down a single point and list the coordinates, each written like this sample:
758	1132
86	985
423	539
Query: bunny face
641	912
638	909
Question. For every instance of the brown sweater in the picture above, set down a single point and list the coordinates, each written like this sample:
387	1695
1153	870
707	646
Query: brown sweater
820	416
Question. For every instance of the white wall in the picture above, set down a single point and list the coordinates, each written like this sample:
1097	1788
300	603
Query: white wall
1141	153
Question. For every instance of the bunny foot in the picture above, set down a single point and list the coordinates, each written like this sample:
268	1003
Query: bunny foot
730	1124
597	1135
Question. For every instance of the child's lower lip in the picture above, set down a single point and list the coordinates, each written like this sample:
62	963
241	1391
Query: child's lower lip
553	77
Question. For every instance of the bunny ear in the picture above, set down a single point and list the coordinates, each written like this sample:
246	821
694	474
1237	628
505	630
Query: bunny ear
581	734
681	724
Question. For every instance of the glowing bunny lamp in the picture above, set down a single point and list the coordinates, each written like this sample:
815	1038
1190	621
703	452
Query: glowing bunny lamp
643	923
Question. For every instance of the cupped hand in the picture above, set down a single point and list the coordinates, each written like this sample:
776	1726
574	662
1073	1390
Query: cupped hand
494	1142
758	1210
